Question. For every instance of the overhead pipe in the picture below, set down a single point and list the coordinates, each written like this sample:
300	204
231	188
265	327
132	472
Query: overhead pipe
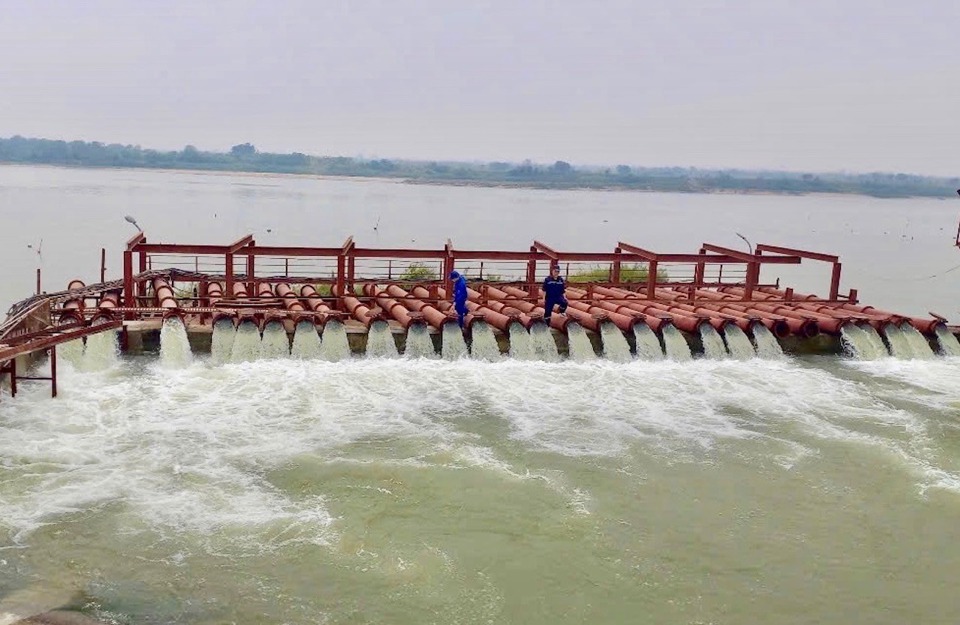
742	318
239	290
830	320
214	297
166	299
437	316
515	314
108	301
72	310
290	301
393	308
827	323
623	317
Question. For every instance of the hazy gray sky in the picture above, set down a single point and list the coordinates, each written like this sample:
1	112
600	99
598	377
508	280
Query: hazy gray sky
803	84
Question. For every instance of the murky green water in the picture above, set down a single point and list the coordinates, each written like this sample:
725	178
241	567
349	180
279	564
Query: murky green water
397	491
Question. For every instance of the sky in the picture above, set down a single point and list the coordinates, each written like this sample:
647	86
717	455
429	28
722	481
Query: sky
839	85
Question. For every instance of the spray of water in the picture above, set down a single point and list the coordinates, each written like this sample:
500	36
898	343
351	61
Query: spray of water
520	346
648	345
544	345
767	344
246	343
174	344
675	346
949	346
102	351
899	345
221	344
713	346
738	344
483	345
419	342
918	343
879	347
615	346
71	352
856	343
275	343
335	346
579	345
306	341
380	343
453	346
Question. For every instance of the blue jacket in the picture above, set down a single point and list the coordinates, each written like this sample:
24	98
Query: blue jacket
553	288
460	292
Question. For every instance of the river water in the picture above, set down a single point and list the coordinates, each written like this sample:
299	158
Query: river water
795	490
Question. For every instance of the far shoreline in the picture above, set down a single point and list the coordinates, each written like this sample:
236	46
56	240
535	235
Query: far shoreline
479	184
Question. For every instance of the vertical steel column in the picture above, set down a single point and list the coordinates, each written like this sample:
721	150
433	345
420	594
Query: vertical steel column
53	371
103	264
141	284
615	277
835	282
651	279
341	273
228	271
128	282
532	275
251	270
38	281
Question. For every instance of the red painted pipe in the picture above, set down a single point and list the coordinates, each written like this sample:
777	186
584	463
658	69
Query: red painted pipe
265	290
108	301
214	293
437	316
622	316
744	320
686	321
515	314
290	301
498	320
239	289
393	308
73	308
316	304
363	314
166	299
557	322
653	316
797	324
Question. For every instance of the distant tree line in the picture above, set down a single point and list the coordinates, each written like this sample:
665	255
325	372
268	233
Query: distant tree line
559	175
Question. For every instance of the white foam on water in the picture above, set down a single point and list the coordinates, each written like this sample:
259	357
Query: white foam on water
174	344
334	347
543	343
738	343
648	345
578	343
483	343
453	347
419	342
221	343
521	348
675	346
615	346
899	345
306	340
713	346
380	342
918	343
766	343
275	342
949	346
246	343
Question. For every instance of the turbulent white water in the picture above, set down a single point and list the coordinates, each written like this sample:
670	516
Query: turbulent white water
419	342
766	343
275	342
949	346
738	343
174	344
102	351
335	346
648	345
246	343
615	346
380	342
899	345
919	345
306	340
675	346
713	346
543	343
578	343
71	352
521	348
452	345
221	343
483	344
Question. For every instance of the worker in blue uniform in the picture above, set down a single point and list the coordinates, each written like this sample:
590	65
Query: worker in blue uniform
459	295
553	289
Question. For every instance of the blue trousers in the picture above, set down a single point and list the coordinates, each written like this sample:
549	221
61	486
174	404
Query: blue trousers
550	303
461	309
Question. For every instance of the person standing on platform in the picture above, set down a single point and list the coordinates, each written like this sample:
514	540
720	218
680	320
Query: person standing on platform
459	295
553	294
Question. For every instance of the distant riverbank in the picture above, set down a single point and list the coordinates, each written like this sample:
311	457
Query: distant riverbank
245	158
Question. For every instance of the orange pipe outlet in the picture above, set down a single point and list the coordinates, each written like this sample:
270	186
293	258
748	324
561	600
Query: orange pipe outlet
393	308
479	312
797	324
